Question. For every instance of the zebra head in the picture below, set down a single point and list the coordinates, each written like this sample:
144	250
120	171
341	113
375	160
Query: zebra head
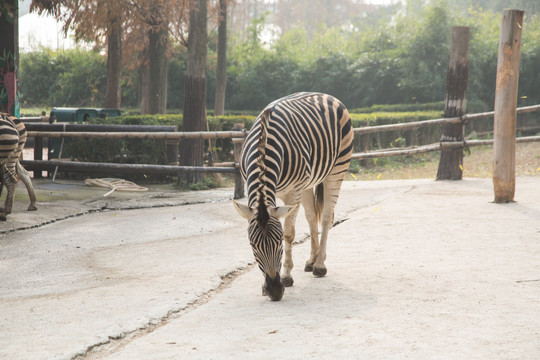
265	230
265	234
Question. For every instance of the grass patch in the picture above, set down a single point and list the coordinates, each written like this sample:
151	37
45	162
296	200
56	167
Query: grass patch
424	166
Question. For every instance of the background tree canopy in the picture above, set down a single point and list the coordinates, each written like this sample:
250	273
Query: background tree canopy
373	55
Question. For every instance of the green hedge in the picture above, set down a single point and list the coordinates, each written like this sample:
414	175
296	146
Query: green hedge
149	151
383	118
146	151
432	106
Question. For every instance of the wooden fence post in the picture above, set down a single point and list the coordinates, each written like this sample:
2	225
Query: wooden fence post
238	181
172	151
173	147
451	160
504	146
38	155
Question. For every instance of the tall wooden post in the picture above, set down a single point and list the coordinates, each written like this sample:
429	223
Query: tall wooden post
504	146
455	104
9	57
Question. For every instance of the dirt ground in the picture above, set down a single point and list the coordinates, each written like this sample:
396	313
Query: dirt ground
476	164
416	269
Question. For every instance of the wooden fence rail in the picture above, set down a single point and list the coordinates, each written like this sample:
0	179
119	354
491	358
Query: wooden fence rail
433	147
141	135
41	130
64	165
453	120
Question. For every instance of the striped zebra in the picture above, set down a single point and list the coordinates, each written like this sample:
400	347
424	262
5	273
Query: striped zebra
12	140
298	150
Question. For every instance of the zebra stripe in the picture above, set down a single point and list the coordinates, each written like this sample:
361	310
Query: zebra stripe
12	140
300	142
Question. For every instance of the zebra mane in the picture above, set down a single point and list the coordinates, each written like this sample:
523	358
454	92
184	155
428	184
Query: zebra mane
262	211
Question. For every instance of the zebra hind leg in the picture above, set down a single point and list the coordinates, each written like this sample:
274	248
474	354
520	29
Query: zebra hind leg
10	181
331	193
25	177
308	202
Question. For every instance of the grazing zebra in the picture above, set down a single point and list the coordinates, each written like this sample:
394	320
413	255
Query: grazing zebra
298	150
12	140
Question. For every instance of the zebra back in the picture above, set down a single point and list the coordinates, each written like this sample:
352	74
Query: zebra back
294	144
21	129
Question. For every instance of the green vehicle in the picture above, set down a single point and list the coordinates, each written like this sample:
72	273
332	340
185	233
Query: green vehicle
74	115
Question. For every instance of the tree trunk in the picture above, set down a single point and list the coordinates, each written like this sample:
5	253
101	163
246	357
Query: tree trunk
451	161
191	151
113	94
9	49
144	78
221	70
157	81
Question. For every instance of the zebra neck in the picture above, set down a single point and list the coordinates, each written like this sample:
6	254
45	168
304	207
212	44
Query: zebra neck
261	193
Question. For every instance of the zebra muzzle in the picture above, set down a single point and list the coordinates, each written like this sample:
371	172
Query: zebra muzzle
273	288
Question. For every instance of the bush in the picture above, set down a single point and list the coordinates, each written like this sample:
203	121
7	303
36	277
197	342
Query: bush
67	78
148	151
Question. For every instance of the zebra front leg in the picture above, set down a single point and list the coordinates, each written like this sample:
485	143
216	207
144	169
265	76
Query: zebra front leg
308	202
288	237
25	177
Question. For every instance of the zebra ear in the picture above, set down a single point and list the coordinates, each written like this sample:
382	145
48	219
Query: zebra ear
282	211
244	210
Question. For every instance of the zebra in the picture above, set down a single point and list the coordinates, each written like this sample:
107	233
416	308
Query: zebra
298	150
12	140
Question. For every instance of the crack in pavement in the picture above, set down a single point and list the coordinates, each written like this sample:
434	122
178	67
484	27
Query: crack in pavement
106	208
116	343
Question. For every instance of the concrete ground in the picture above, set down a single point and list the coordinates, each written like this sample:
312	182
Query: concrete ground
416	269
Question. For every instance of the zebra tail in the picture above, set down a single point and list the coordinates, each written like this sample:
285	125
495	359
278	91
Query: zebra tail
319	201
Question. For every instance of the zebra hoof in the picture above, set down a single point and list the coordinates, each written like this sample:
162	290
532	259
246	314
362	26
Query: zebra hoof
32	208
308	267
287	281
319	272
3	218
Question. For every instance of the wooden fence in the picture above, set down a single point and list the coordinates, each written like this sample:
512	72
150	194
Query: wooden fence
51	131
451	145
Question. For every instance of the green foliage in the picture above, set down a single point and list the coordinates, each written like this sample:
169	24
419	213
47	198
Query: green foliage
434	106
175	87
67	78
148	151
383	118
400	59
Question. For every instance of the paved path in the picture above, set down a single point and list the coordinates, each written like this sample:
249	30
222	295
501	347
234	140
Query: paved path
418	269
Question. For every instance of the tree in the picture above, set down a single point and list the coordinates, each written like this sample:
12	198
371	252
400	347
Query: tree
94	21
158	40
98	20
157	19
113	94
9	58
191	151
221	70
